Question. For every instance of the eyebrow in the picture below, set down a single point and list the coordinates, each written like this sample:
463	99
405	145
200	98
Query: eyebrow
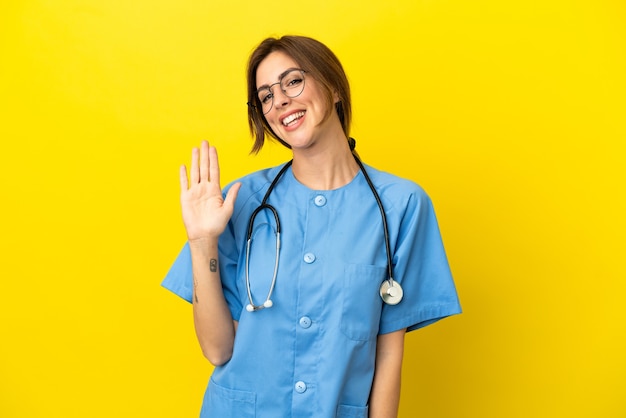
280	77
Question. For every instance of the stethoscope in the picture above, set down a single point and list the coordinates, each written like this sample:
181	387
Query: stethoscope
390	290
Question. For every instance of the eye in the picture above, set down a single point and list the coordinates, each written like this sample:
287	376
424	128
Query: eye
265	96
292	82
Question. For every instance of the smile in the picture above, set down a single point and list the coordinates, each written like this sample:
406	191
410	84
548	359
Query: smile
291	119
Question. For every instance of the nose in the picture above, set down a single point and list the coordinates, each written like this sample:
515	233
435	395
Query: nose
280	98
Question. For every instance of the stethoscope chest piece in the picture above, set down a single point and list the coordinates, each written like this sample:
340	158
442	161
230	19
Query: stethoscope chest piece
391	292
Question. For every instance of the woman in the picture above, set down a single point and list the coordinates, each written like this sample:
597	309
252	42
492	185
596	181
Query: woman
314	327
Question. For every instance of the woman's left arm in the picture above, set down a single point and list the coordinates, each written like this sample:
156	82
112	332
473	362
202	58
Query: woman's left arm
385	396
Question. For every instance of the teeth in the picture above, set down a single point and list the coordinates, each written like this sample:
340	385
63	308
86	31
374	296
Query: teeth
293	117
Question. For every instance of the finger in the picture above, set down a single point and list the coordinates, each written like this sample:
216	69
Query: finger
204	161
214	166
184	184
194	173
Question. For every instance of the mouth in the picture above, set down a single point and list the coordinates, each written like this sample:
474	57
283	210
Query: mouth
293	118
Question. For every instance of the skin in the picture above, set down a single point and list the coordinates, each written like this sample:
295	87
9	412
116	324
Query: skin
385	395
322	160
321	157
205	215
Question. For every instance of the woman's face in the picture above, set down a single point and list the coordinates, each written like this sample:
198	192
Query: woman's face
299	121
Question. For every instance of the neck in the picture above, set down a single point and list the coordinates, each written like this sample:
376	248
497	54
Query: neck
325	169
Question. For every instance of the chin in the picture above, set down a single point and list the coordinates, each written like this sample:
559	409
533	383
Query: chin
297	140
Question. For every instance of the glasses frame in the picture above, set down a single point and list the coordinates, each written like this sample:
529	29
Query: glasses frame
256	103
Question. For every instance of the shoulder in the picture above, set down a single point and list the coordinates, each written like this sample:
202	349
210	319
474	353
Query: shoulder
253	187
255	181
397	192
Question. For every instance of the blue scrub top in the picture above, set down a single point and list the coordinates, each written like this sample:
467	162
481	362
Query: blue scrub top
312	354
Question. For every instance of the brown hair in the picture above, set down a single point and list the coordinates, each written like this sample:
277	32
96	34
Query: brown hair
318	61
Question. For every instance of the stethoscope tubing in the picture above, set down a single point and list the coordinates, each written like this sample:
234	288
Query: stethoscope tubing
264	205
383	216
390	291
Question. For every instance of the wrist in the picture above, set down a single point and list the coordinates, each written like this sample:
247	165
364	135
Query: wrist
203	243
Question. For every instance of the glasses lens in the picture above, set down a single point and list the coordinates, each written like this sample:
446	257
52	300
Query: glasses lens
292	83
265	98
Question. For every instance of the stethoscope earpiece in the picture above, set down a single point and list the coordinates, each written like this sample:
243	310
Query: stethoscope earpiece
251	308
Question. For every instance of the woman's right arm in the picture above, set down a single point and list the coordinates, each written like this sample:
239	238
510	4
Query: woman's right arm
214	324
205	215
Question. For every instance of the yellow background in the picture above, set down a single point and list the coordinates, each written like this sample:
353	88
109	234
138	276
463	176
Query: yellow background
511	114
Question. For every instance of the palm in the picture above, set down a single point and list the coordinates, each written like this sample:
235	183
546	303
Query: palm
205	211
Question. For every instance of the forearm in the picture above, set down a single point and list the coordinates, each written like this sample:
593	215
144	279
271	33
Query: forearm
385	396
212	318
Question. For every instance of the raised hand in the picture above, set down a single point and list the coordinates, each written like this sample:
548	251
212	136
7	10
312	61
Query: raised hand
205	211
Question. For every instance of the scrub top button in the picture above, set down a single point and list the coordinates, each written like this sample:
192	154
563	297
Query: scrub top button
305	322
309	258
320	200
300	387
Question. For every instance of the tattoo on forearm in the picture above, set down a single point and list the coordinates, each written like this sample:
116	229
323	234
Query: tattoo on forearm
213	268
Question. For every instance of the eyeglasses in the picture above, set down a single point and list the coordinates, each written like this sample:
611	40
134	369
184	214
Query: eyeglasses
291	83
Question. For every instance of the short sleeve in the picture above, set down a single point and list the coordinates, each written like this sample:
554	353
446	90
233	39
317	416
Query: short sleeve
228	261
179	278
421	267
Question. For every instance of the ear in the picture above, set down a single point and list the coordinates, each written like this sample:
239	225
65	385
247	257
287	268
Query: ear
336	97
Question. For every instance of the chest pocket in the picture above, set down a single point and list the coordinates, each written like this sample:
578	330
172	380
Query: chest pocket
348	411
223	402
361	302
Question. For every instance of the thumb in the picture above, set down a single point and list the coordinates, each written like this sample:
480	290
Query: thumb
231	195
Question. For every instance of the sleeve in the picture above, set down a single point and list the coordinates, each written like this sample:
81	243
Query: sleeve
421	267
179	278
229	256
